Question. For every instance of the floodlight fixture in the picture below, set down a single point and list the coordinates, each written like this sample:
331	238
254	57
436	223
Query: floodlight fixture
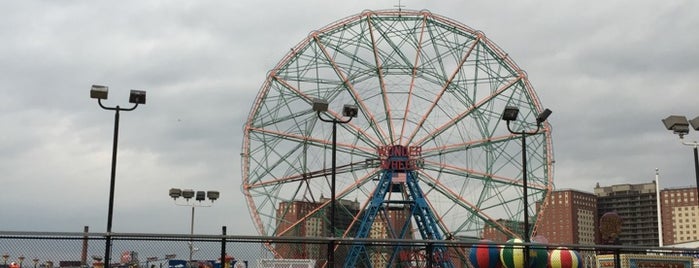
350	110
695	123
678	124
320	105
198	196
187	193
510	113
543	115
201	196
212	195
175	193
99	92
137	97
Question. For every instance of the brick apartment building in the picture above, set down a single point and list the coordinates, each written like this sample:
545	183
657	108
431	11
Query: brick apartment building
570	218
679	212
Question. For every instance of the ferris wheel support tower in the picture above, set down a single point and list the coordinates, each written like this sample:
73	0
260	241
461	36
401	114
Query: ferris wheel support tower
399	160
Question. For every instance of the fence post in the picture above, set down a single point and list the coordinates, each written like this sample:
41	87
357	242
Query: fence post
223	247
83	255
430	255
617	258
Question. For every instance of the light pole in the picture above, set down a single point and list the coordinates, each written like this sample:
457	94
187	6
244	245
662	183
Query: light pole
349	111
510	114
680	126
136	97
199	196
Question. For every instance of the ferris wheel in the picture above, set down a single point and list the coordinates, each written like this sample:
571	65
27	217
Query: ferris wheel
427	145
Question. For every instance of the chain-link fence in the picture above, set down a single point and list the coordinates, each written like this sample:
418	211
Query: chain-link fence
52	250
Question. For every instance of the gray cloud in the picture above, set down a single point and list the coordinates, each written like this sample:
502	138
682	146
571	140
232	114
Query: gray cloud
609	72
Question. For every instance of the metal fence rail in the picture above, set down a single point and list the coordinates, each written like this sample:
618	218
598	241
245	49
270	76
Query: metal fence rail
136	250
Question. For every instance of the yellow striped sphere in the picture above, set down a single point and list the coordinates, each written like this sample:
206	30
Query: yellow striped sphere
512	256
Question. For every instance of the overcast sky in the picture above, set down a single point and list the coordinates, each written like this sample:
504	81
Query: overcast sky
609	70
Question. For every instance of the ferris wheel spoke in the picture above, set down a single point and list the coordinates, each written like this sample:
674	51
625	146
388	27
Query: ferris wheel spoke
493	144
383	28
388	53
279	108
358	132
340	170
471	174
281	159
312	213
440	129
464	146
350	88
457	198
301	139
357	186
324	204
474	174
266	178
413	77
439	95
382	83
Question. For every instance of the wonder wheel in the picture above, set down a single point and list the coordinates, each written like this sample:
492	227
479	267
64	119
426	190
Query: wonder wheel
427	156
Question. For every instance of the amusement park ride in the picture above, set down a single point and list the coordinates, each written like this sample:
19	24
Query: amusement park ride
427	139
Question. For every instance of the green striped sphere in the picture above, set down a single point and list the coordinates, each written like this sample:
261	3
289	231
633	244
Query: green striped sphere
512	256
538	256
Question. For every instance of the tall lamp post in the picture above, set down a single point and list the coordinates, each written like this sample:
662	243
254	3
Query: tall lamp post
510	114
199	196
680	126
350	111
136	97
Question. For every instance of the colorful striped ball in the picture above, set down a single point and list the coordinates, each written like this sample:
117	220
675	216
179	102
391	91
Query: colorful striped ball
565	258
485	256
513	257
538	257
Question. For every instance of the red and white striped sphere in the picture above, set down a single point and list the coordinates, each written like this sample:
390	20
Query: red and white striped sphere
564	258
